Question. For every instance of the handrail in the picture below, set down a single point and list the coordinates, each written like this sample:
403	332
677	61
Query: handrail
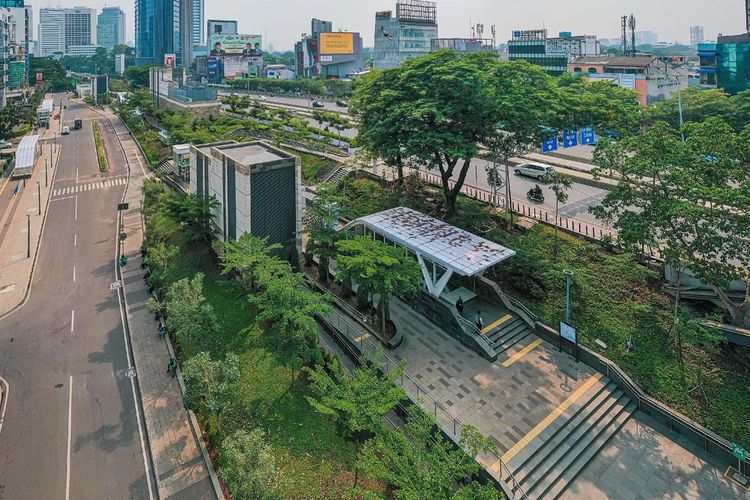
476	330
366	342
515	302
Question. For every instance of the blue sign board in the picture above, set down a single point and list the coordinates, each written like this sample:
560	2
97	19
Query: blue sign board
570	138
550	145
588	137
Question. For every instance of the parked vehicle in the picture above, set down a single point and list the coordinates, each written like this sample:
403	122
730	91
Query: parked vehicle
318	104
78	124
5	145
65	130
535	170
342	104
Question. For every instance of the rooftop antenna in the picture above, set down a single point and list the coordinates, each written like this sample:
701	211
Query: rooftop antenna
631	23
624	22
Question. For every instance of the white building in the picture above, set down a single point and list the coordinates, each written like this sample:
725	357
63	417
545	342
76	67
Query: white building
407	34
696	35
574	46
279	72
257	188
81	50
60	29
23	18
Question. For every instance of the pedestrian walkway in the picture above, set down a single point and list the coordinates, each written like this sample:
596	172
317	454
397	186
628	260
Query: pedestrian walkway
560	427
23	210
80	188
181	464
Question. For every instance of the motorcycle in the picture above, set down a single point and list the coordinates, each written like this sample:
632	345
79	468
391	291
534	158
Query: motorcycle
535	196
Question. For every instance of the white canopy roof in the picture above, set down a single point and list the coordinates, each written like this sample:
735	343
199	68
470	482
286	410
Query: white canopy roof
26	152
47	105
448	246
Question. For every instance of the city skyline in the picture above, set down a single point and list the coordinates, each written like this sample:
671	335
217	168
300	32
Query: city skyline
283	21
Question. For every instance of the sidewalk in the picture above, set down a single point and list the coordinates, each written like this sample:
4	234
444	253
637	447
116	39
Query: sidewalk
181	464
18	252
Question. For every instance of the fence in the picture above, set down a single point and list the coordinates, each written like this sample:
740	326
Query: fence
352	335
569	224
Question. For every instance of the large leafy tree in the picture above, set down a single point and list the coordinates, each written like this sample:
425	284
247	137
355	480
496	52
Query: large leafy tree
697	105
248	466
321	225
689	202
288	308
420	463
194	213
377	269
357	403
444	103
246	257
210	384
189	315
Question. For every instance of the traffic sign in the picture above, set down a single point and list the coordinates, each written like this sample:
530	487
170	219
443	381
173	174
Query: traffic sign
739	452
588	137
570	138
550	145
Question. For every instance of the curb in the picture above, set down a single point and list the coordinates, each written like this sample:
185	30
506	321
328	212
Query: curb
4	391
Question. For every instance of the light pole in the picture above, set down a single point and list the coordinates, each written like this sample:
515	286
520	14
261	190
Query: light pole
568	275
39	197
28	236
46	173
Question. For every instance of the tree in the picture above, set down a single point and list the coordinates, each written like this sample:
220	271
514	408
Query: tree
209	384
420	463
160	261
245	257
377	269
248	466
357	403
697	105
138	76
444	102
321	226
690	202
559	184
287	308
194	213
189	315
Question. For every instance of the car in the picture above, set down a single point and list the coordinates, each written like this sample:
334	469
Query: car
536	170
65	130
5	145
262	98
342	104
318	104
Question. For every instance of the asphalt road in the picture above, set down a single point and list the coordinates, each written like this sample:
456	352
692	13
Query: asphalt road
71	427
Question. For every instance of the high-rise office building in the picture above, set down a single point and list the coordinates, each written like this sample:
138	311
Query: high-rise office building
198	15
163	27
407	34
531	46
726	63
646	38
318	26
60	29
110	28
696	35
23	19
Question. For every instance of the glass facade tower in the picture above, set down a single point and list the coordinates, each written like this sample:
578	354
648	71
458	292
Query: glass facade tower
159	30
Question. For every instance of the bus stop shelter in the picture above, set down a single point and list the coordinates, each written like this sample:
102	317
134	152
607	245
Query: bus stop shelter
44	112
26	157
442	250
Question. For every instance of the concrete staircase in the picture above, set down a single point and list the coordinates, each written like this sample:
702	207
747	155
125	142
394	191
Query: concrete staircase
337	174
548	464
510	330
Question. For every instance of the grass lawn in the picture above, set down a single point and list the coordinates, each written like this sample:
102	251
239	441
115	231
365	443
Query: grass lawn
613	297
314	168
315	461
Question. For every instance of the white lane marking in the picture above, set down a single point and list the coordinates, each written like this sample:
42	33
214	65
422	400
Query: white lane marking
72	319
76	214
75	240
74	274
70	425
76	174
6	391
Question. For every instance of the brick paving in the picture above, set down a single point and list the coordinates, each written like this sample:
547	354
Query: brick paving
505	403
180	465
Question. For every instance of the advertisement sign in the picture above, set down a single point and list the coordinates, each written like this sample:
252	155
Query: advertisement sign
326	58
568	332
570	138
588	137
170	60
337	43
550	145
235	45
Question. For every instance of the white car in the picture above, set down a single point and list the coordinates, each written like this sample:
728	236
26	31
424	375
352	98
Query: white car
535	170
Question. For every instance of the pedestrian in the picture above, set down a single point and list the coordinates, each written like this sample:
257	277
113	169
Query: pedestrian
172	367
460	305
479	321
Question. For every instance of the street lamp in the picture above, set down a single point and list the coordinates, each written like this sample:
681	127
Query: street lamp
39	197
679	105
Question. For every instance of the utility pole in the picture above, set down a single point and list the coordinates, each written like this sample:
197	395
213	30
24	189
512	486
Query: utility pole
568	275
39	197
46	173
28	236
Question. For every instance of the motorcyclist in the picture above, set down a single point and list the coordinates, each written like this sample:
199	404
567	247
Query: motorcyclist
535	192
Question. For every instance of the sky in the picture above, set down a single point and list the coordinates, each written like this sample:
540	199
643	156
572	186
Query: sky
283	21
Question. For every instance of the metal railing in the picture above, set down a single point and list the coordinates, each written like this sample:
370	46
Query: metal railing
348	331
475	329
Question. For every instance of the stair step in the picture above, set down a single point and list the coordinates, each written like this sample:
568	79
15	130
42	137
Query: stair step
582	460
583	442
529	460
511	327
515	339
583	419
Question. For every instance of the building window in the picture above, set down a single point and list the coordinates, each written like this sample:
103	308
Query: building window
592	71
576	70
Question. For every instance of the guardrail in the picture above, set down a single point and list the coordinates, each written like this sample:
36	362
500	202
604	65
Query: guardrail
349	333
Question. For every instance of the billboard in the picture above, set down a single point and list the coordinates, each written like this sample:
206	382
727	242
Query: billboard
235	45
337	43
170	60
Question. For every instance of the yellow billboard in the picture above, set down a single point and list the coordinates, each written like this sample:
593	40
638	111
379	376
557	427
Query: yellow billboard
337	43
